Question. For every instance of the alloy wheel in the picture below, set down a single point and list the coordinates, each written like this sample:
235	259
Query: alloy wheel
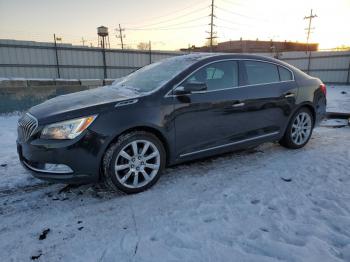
137	163
301	128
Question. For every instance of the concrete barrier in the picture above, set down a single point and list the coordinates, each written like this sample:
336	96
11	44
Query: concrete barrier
19	95
13	84
108	81
37	83
91	82
59	82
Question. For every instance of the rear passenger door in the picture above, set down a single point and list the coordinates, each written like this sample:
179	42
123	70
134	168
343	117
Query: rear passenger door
267	96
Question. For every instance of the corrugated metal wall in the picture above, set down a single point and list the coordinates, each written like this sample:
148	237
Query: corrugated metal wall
38	60
329	66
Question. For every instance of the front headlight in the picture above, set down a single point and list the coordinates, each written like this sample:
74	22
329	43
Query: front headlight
67	129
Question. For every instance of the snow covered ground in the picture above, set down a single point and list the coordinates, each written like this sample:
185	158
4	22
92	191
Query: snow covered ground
265	204
338	99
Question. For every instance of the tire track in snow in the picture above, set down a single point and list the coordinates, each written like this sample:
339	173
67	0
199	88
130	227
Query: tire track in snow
23	189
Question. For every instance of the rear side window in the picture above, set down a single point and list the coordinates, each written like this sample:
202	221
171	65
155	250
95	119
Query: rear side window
285	74
261	73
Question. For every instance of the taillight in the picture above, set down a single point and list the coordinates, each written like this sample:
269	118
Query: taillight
323	89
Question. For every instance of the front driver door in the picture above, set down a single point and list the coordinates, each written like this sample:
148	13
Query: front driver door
204	120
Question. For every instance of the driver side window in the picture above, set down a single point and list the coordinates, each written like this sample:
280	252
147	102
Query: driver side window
219	75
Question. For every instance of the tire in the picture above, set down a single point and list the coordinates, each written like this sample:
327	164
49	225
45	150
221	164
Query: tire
125	171
299	129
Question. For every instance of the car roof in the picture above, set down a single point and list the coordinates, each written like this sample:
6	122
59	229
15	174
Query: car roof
202	56
212	57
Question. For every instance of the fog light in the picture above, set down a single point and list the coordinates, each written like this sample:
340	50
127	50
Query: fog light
57	168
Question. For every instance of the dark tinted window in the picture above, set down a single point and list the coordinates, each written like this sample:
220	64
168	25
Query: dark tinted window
218	75
285	74
260	72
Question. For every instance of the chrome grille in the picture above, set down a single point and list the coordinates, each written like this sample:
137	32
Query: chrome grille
27	125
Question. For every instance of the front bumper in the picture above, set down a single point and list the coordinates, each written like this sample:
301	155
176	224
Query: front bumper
80	156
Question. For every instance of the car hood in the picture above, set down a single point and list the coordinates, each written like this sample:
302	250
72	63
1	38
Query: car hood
80	103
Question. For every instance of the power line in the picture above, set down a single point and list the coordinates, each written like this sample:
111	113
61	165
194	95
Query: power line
241	15
233	3
165	28
231	22
172	25
228	27
169	14
173	19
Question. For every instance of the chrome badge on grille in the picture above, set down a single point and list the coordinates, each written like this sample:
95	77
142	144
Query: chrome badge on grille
27	125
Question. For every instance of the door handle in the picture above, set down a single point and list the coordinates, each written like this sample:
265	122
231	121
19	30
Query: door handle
238	104
288	95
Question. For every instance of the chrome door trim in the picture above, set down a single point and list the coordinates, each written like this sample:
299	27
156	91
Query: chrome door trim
289	95
238	105
230	144
168	94
126	102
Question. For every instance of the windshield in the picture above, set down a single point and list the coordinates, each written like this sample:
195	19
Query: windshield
155	75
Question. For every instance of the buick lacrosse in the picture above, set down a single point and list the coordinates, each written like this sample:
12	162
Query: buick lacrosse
176	110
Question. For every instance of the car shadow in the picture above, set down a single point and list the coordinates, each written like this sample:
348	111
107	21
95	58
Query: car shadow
100	191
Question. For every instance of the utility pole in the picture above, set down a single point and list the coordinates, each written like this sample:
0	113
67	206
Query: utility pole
212	36
150	51
83	41
310	17
120	35
56	53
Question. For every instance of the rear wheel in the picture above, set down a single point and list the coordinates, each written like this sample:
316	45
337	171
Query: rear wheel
299	129
134	163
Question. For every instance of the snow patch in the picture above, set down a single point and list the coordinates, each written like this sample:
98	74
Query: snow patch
264	204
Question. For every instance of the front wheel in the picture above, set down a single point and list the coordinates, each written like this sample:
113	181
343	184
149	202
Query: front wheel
299	129
134	163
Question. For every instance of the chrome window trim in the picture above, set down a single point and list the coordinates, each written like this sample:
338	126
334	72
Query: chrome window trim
230	144
168	94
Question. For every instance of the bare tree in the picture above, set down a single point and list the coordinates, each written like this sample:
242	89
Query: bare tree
214	42
143	46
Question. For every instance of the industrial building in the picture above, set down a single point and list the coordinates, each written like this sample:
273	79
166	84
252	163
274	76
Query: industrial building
255	46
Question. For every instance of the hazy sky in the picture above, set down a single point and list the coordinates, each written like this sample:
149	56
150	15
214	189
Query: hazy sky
175	24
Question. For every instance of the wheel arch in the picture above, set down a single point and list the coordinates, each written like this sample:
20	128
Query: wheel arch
307	105
152	130
285	139
311	108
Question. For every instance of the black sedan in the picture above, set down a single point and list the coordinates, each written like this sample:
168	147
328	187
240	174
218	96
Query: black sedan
180	109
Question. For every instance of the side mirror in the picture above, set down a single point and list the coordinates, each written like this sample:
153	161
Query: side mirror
190	87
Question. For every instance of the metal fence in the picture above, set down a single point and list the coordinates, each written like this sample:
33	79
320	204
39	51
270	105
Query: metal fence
329	66
44	60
